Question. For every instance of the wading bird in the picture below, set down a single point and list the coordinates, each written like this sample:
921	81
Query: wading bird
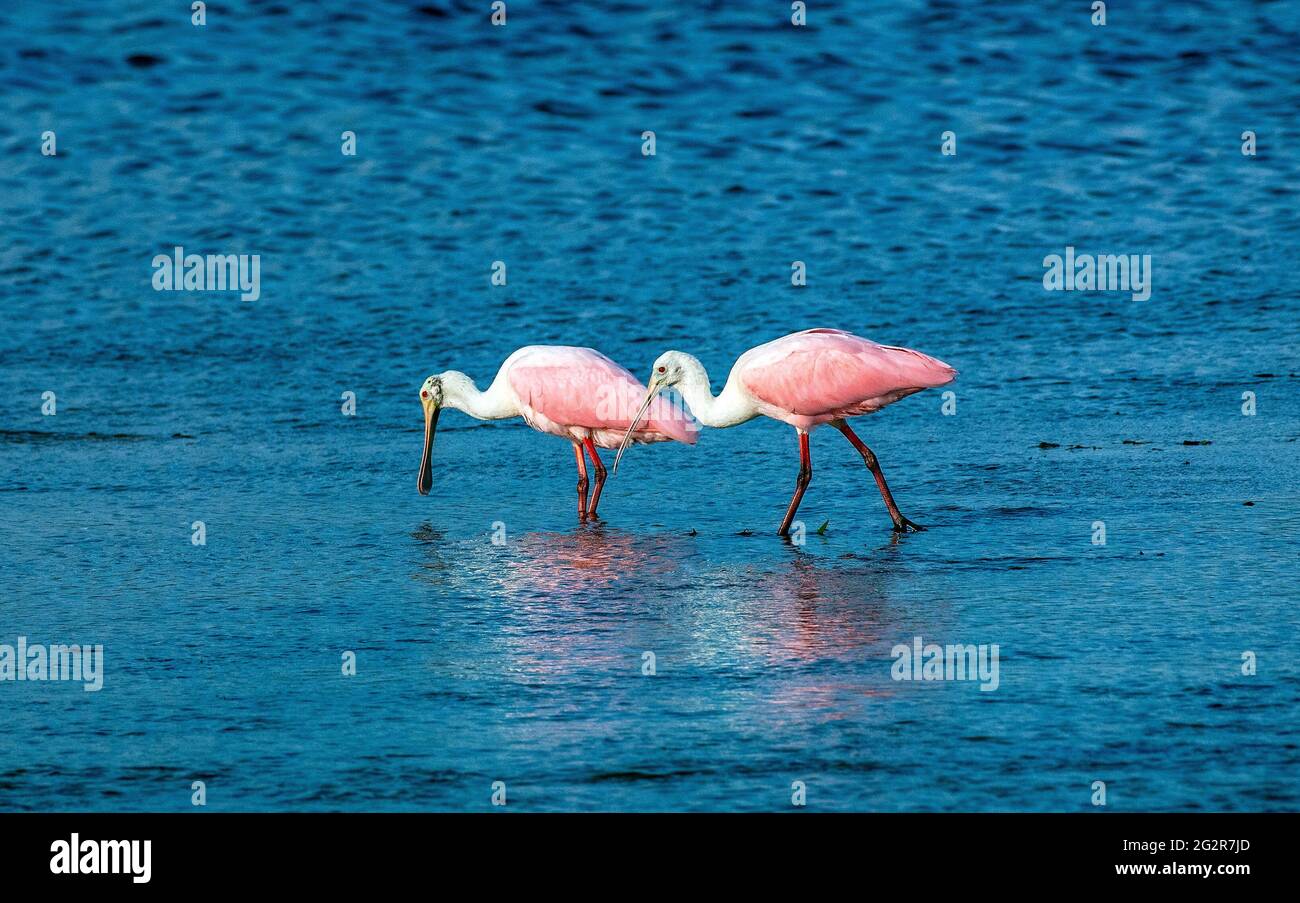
806	379
574	393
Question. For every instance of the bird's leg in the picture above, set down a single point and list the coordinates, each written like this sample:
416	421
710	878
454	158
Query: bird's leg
600	478
901	524
805	477
582	481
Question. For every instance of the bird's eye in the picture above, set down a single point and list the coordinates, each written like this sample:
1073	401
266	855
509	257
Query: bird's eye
424	394
663	369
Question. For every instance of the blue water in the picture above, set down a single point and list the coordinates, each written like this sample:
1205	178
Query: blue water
522	662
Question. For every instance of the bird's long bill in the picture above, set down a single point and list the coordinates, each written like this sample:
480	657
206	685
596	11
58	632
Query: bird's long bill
636	421
425	482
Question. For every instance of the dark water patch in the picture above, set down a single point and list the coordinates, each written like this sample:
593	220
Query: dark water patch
644	775
561	109
19	437
140	25
1021	511
144	60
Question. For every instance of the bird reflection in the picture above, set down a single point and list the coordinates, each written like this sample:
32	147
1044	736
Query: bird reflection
585	604
808	610
432	542
585	561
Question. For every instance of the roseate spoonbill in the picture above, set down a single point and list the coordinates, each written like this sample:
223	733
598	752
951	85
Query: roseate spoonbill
806	379
574	393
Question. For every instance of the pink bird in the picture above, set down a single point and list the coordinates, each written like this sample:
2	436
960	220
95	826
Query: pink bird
574	393
806	379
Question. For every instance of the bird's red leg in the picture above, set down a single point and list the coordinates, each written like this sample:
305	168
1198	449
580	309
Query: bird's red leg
805	477
901	524
582	481
600	478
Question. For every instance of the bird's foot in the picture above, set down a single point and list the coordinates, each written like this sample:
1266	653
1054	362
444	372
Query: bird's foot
903	525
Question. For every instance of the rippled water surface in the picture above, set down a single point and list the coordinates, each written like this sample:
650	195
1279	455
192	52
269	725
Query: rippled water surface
523	662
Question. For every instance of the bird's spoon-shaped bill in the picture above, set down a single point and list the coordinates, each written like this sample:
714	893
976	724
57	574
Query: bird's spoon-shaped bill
425	481
636	421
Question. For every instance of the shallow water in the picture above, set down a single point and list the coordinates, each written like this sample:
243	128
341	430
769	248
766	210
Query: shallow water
522	662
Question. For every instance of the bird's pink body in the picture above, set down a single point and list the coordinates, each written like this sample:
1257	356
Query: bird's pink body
578	393
805	379
574	393
819	375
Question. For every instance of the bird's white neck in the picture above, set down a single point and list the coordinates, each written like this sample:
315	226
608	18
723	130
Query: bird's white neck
731	406
497	403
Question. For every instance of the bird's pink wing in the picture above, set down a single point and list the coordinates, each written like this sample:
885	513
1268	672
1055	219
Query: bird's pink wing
582	387
830	372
